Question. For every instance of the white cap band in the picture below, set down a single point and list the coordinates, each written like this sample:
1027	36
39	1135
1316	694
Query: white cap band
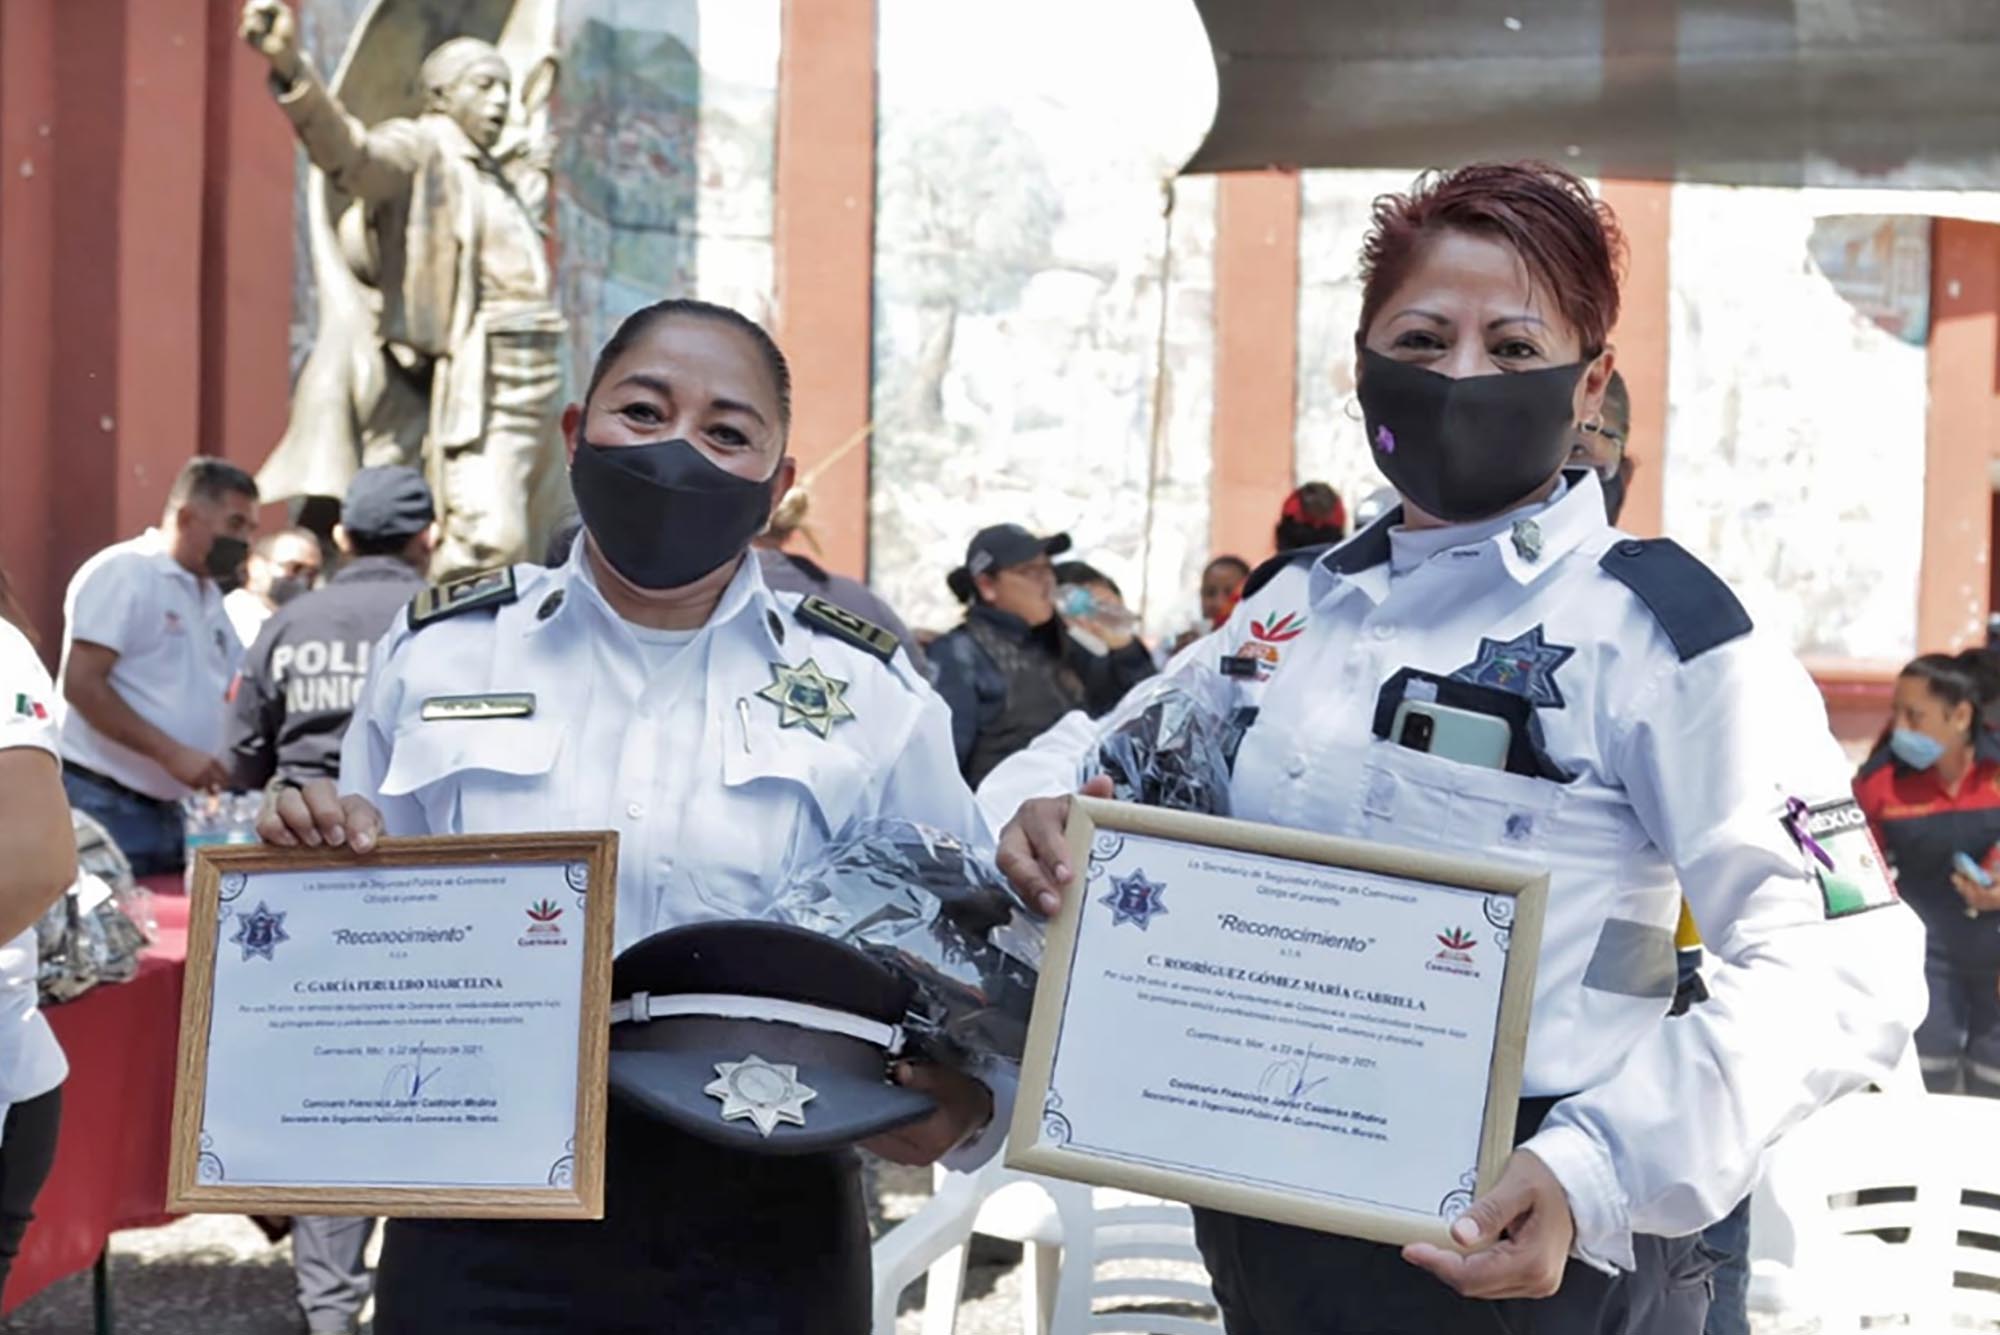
641	1007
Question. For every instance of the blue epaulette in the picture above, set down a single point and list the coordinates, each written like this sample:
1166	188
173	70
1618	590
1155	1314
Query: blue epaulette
1692	604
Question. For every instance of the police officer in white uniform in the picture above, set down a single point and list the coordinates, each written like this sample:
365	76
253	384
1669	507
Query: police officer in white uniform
1661	745
654	685
37	861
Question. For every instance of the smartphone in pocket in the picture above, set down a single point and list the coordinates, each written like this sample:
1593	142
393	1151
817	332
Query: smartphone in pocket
1463	735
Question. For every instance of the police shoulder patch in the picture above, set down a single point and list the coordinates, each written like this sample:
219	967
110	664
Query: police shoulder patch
1694	607
821	615
487	589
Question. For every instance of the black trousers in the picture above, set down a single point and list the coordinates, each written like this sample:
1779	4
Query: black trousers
27	1152
695	1238
1274	1279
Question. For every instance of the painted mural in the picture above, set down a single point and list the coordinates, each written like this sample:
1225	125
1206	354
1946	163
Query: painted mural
666	117
1043	332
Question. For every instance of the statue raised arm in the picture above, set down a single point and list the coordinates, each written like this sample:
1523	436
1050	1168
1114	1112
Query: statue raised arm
443	222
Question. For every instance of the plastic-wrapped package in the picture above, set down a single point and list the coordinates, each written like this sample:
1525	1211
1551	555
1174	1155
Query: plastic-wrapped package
94	933
935	910
1168	744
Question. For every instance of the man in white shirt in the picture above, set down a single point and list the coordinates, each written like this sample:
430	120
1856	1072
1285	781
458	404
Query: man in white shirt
148	653
282	566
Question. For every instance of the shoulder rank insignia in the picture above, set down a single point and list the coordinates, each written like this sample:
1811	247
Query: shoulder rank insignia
860	632
489	588
807	698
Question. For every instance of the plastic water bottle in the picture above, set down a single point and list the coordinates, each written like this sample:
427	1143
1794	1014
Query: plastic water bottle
1075	602
218	818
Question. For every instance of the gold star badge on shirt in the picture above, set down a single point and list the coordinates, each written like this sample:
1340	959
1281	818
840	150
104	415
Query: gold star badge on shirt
807	697
761	1092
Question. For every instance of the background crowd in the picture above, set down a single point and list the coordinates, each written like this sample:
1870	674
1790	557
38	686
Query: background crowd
202	656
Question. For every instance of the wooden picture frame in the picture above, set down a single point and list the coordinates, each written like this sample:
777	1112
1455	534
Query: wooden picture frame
1042	1139
197	1175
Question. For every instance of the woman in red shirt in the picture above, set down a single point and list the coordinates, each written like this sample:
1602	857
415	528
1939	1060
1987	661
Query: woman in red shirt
1931	791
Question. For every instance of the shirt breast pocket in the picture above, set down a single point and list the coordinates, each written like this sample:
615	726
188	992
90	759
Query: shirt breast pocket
1413	798
476	776
781	803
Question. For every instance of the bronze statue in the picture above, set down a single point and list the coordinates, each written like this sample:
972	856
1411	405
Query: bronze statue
439	345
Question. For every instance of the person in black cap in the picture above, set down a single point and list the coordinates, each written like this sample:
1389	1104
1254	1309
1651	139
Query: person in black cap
1012	668
304	675
291	702
654	684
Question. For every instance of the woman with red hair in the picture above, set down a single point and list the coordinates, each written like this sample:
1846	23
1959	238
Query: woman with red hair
1649	744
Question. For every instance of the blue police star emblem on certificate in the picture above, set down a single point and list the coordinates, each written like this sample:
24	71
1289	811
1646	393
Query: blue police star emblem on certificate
806	697
1135	899
259	932
1525	665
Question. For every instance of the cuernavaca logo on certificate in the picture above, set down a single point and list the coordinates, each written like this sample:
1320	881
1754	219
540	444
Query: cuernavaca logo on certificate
544	927
1456	956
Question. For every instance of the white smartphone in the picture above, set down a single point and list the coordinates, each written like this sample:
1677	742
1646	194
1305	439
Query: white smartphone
1463	735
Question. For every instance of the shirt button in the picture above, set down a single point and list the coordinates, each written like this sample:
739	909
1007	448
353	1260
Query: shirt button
634	810
1384	630
1631	548
1296	764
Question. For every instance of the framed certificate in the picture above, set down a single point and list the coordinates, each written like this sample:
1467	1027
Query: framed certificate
419	1031
1311	1030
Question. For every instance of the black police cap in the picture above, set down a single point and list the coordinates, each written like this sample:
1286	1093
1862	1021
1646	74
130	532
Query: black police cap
1005	545
387	501
760	1036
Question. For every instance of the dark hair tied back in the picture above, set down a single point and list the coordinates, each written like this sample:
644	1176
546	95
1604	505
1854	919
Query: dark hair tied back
1970	678
639	321
962	587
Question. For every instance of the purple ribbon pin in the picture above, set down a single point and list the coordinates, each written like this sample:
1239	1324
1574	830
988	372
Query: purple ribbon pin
1796	812
1385	440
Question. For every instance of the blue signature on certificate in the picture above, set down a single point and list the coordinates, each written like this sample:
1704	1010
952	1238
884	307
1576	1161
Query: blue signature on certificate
408	1080
1291	1078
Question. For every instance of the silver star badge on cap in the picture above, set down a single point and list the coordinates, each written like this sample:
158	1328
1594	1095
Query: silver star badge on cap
755	1090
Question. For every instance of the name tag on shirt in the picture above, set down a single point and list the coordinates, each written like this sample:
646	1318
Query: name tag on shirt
517	704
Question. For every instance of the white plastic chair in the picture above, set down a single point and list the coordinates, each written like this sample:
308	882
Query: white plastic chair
1067	1231
1818	1253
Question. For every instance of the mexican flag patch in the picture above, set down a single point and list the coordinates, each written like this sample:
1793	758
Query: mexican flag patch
1835	839
27	706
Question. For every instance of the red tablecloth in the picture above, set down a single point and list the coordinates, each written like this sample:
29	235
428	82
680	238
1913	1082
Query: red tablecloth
111	1159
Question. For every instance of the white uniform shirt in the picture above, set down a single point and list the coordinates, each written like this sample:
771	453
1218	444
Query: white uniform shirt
713	798
176	655
31	1061
1682	770
247	614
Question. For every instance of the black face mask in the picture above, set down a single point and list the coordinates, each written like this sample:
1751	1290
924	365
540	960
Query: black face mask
287	587
225	558
662	514
1467	449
